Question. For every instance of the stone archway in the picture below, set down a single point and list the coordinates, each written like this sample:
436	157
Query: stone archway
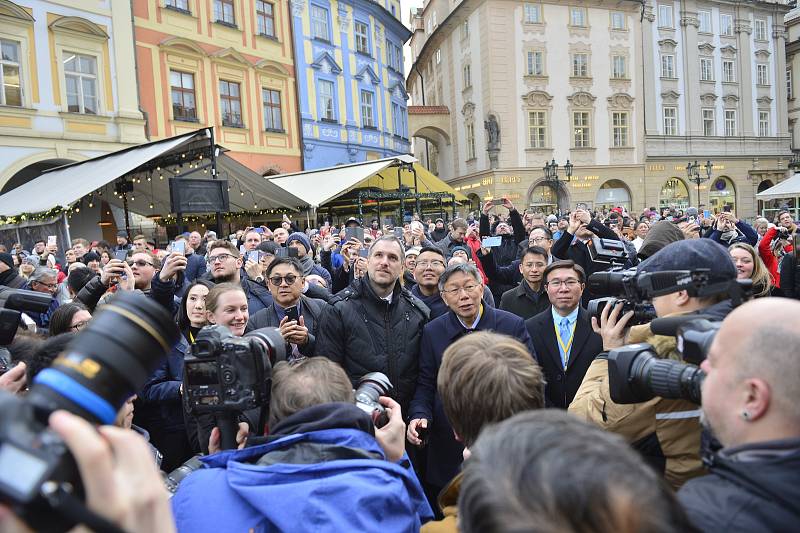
32	171
548	196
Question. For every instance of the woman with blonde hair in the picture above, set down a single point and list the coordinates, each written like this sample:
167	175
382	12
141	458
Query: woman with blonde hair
750	266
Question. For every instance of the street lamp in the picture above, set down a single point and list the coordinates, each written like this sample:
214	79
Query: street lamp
551	174
693	174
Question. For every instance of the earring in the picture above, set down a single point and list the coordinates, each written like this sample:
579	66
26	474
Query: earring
745	415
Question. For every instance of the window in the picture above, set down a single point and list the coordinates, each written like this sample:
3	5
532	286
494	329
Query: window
319	23
469	132
362	37
581	131
430	28
763	123
399	120
709	122
762	74
704	17
80	73
665	16
617	20
730	123
706	69
667	66
619	69
230	104
10	77
728	72
273	119
580	65
789	89
533	13
537	129
438	55
183	100
577	17
367	109
670	120
466	73
760	30
182	5
435	24
726	25
265	15
619	124
327	111
395	56
224	12
535	63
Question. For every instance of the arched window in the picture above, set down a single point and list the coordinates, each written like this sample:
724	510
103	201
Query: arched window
674	193
613	193
722	193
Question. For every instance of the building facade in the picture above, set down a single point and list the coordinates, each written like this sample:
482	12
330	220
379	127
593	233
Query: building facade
629	93
353	102
222	63
67	85
792	21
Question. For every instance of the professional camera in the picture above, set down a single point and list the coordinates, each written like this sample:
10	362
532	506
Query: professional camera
370	387
227	375
637	374
173	480
14	302
101	368
608	251
643	312
783	233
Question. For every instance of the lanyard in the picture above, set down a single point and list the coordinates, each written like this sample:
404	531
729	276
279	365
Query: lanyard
565	349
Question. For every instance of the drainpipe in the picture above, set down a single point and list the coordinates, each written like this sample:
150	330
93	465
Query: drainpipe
297	114
136	73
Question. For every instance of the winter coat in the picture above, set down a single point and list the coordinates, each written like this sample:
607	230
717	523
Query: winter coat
11	279
331	479
745	233
743	494
771	262
364	333
159	406
524	302
310	309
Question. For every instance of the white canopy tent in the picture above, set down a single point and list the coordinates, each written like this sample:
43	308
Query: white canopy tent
789	188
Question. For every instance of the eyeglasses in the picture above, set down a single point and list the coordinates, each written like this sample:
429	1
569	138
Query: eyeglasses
433	263
467	288
79	326
570	283
539	239
50	286
141	263
278	280
221	257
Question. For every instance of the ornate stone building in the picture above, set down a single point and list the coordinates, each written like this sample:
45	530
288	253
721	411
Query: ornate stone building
628	92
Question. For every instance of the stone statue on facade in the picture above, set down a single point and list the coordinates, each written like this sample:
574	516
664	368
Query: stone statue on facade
493	133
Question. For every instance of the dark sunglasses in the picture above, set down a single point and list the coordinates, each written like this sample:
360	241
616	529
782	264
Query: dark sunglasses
277	280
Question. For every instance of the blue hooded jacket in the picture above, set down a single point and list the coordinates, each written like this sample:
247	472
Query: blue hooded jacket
359	491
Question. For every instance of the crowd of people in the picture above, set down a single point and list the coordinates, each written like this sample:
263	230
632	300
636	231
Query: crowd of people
501	414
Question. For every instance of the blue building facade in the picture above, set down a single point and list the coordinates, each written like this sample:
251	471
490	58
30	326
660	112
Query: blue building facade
349	63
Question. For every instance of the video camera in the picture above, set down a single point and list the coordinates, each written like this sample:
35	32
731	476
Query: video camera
101	368
14	302
608	251
227	375
637	374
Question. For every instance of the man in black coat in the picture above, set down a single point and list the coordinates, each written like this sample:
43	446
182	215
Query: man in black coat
9	276
511	233
529	297
375	325
286	282
750	399
562	335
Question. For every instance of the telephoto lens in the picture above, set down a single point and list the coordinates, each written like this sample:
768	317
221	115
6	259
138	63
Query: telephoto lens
371	387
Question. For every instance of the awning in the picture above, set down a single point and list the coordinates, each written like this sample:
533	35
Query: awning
321	186
64	186
786	189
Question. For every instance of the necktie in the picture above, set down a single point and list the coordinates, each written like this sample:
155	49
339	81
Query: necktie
564	333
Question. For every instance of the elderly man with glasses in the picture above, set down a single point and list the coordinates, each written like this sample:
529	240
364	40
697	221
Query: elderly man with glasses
296	316
461	287
44	280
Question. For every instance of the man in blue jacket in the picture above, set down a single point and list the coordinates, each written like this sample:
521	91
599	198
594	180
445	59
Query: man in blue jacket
323	468
461	287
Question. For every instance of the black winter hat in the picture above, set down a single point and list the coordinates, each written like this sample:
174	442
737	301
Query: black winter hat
692	254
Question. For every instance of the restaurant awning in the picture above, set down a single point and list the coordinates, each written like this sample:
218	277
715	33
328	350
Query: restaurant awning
64	186
321	186
789	188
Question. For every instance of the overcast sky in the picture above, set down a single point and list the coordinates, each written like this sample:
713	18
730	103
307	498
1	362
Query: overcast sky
405	9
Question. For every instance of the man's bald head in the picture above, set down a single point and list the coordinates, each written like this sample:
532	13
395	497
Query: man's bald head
752	390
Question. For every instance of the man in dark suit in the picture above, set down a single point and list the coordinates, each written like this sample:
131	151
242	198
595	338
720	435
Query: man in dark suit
563	335
529	297
461	287
286	281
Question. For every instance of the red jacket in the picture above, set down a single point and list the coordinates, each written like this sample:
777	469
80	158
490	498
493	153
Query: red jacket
765	251
474	244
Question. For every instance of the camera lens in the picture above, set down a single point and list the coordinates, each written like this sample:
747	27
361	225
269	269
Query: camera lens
108	361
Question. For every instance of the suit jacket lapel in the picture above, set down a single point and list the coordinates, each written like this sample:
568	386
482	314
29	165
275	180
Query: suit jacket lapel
550	340
582	331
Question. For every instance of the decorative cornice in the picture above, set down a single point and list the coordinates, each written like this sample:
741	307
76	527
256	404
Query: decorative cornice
728	50
670	97
368	72
620	101
326	63
538	99
468	111
706	48
764	100
762	54
581	99
730	99
708	99
743	26
668	44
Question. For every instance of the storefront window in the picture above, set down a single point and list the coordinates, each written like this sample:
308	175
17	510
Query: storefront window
721	194
613	193
544	198
674	194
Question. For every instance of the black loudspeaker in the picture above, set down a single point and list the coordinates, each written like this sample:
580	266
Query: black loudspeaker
188	195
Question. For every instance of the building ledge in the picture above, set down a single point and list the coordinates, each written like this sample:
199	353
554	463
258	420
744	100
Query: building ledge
428	110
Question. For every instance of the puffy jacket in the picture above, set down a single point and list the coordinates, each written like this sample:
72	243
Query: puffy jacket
771	262
334	479
364	333
742	494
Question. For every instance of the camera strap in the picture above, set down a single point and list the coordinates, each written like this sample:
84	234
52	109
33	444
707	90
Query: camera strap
75	510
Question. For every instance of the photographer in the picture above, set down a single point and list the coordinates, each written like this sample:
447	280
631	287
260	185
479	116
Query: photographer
666	432
729	230
324	466
750	398
775	243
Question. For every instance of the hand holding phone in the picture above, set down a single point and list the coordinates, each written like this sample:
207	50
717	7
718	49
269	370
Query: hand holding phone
491	242
179	247
292	313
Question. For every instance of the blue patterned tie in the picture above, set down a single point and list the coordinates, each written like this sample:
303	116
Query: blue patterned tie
564	331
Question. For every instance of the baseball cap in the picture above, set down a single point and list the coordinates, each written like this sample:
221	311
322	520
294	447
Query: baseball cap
692	254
